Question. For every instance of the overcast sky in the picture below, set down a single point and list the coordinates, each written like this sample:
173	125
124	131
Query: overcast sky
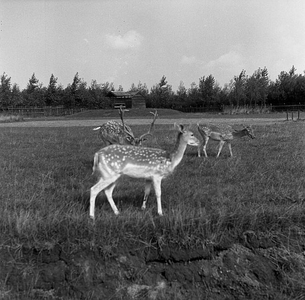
125	42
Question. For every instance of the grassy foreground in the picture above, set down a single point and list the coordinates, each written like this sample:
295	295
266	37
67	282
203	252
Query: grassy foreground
46	176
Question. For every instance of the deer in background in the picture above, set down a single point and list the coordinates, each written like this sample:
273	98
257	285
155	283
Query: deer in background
114	133
152	164
223	134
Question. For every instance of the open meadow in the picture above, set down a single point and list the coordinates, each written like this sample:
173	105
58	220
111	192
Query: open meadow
233	228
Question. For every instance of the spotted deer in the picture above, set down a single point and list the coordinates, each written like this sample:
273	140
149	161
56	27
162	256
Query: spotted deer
114	133
222	133
152	164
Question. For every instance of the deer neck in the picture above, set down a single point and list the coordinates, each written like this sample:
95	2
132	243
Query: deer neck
177	155
239	133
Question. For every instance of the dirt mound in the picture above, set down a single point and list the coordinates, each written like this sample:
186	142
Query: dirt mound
252	269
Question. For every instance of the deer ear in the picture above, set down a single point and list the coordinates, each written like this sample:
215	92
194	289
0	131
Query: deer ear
179	127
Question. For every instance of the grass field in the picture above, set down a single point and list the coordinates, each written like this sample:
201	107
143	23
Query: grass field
46	176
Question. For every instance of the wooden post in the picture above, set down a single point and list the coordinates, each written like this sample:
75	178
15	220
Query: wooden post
292	115
298	114
287	116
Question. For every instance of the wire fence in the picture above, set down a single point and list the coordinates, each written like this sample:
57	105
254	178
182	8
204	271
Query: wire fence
41	111
293	112
48	111
289	108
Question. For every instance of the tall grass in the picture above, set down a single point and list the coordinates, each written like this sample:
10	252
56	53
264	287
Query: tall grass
46	176
5	118
246	109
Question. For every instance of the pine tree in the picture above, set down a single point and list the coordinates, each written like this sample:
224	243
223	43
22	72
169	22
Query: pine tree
5	91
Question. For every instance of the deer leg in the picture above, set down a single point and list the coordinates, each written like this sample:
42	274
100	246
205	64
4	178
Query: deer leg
199	150
157	187
108	192
96	189
230	148
221	143
206	139
146	194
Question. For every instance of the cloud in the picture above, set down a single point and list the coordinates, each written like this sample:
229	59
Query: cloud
129	40
227	60
188	60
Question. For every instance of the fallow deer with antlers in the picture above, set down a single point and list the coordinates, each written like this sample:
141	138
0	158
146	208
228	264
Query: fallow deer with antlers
114	133
111	162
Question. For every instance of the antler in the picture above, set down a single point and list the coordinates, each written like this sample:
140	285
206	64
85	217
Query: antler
155	114
121	112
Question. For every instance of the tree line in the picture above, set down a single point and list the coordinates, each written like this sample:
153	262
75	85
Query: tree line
243	90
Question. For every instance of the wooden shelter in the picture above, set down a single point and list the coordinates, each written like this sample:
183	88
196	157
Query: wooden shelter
127	99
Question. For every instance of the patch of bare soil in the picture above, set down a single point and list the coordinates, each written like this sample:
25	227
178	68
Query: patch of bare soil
253	268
